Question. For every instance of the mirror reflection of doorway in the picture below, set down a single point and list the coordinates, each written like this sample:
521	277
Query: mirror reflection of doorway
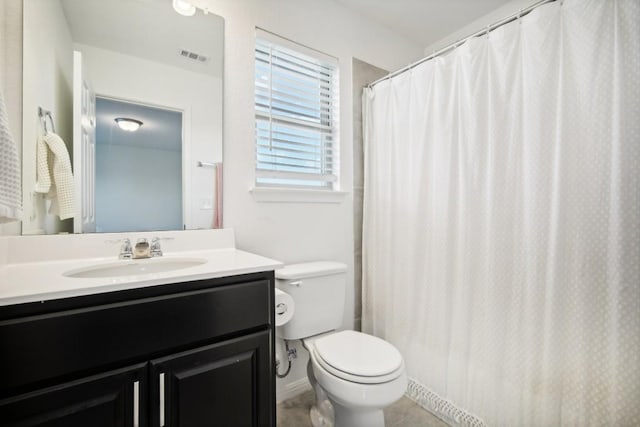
138	172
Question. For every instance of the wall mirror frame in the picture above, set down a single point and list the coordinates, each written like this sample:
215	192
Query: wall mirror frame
141	53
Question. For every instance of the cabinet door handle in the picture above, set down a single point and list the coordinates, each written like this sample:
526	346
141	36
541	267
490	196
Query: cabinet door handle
136	403
161	382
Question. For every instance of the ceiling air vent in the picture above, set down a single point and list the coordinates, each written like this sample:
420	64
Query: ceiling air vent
193	56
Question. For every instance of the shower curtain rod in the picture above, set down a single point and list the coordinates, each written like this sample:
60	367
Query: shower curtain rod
486	30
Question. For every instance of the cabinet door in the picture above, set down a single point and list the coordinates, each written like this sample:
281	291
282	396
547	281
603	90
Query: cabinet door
115	398
226	384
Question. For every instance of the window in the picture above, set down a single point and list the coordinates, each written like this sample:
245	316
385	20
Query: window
296	109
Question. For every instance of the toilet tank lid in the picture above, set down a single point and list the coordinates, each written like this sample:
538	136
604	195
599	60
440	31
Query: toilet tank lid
310	269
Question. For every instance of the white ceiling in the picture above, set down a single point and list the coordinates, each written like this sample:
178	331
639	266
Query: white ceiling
423	21
148	29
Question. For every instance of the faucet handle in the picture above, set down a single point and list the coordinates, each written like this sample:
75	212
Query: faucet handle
126	252
156	250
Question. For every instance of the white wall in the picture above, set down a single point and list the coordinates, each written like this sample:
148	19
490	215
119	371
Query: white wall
11	80
197	95
137	189
48	77
295	232
508	9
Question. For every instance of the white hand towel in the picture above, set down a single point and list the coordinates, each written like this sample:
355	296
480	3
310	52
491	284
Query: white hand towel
43	178
55	176
10	183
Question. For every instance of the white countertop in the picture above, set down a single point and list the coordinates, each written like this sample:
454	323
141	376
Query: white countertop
36	280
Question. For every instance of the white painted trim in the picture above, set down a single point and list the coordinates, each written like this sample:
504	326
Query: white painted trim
294	195
293	389
296	47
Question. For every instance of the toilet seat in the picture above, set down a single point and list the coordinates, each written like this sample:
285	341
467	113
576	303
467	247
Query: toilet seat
358	357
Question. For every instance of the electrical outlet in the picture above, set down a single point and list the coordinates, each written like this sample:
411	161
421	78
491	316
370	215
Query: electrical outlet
206	203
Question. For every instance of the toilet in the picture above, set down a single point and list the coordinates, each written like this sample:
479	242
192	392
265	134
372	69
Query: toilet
359	374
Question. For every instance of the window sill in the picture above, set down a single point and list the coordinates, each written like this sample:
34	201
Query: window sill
294	195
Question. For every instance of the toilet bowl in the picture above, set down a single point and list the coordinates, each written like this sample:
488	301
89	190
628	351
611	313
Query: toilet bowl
358	374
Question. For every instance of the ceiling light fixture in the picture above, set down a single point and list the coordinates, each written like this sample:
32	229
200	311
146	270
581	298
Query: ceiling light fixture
130	125
184	8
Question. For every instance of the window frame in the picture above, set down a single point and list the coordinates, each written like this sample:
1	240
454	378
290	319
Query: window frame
283	182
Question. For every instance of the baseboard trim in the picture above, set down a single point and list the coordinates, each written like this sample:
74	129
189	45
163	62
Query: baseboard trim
294	388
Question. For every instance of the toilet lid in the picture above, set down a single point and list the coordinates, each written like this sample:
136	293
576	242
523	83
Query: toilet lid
358	354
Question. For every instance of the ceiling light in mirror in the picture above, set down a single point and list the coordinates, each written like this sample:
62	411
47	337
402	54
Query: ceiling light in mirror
130	125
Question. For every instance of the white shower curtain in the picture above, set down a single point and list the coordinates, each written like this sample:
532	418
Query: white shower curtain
501	249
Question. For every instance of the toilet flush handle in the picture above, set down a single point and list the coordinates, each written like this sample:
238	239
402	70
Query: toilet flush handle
297	283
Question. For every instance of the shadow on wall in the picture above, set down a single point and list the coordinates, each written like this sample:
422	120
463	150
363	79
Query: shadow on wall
363	74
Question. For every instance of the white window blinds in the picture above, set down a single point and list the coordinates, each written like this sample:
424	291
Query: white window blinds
296	116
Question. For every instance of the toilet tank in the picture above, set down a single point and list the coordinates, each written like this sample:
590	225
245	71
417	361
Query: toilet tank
318	291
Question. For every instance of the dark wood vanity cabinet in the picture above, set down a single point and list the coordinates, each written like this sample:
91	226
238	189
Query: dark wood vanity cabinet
106	399
224	374
181	355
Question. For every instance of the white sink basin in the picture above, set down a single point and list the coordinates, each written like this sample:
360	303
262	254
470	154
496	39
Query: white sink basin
134	267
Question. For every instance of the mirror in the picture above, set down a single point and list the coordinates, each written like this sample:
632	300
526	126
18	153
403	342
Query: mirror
97	69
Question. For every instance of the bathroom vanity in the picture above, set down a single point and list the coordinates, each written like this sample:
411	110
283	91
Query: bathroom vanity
190	347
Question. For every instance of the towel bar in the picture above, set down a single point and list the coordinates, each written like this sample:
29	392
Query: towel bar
206	165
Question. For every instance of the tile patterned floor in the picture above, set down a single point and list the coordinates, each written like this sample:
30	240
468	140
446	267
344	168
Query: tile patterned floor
404	413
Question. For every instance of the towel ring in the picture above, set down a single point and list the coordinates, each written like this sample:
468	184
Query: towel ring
43	114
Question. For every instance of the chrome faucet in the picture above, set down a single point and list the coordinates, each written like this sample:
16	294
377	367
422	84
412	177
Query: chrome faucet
125	250
142	249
